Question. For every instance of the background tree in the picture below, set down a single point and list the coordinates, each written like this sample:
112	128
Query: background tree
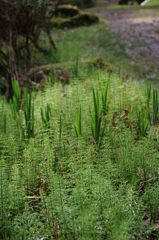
21	22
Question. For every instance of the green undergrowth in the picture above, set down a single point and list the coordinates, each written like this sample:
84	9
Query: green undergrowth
86	43
85	19
73	164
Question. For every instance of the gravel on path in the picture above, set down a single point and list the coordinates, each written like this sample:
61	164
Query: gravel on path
138	30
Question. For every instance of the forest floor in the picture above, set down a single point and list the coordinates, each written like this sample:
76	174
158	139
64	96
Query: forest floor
137	28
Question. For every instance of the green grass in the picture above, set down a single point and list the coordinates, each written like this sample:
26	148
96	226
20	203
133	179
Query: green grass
57	185
152	3
94	41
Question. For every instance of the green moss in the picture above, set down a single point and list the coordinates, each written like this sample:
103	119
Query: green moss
85	19
100	63
67	11
65	69
60	23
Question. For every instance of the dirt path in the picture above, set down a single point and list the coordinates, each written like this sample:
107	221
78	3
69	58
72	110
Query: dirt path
138	30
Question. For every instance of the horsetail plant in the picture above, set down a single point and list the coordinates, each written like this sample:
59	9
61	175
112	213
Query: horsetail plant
15	103
52	76
59	153
78	127
45	116
105	101
75	69
96	117
154	112
148	92
142	121
5	123
29	114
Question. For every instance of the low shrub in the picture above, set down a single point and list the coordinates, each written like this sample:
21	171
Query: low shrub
83	19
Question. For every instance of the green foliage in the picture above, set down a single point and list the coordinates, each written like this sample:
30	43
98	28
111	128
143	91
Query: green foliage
105	100
142	121
96	117
78	127
58	185
148	92
154	112
142	118
82	19
52	76
45	115
19	40
15	103
75	69
151	198
5	122
61	150
29	114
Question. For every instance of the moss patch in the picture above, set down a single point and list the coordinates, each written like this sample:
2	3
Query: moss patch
85	19
67	11
100	63
63	71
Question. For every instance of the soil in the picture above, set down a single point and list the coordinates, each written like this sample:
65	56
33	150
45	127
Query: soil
138	29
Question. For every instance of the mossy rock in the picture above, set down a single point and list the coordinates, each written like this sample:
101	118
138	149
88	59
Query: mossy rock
85	19
67	10
63	71
60	23
100	63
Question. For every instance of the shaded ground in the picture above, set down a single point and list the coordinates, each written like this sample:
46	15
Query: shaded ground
138	30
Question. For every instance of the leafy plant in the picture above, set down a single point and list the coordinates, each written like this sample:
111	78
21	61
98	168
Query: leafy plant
15	103
96	117
29	114
5	123
105	100
60	152
154	112
52	76
148	92
78	127
45	115
142	121
75	69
